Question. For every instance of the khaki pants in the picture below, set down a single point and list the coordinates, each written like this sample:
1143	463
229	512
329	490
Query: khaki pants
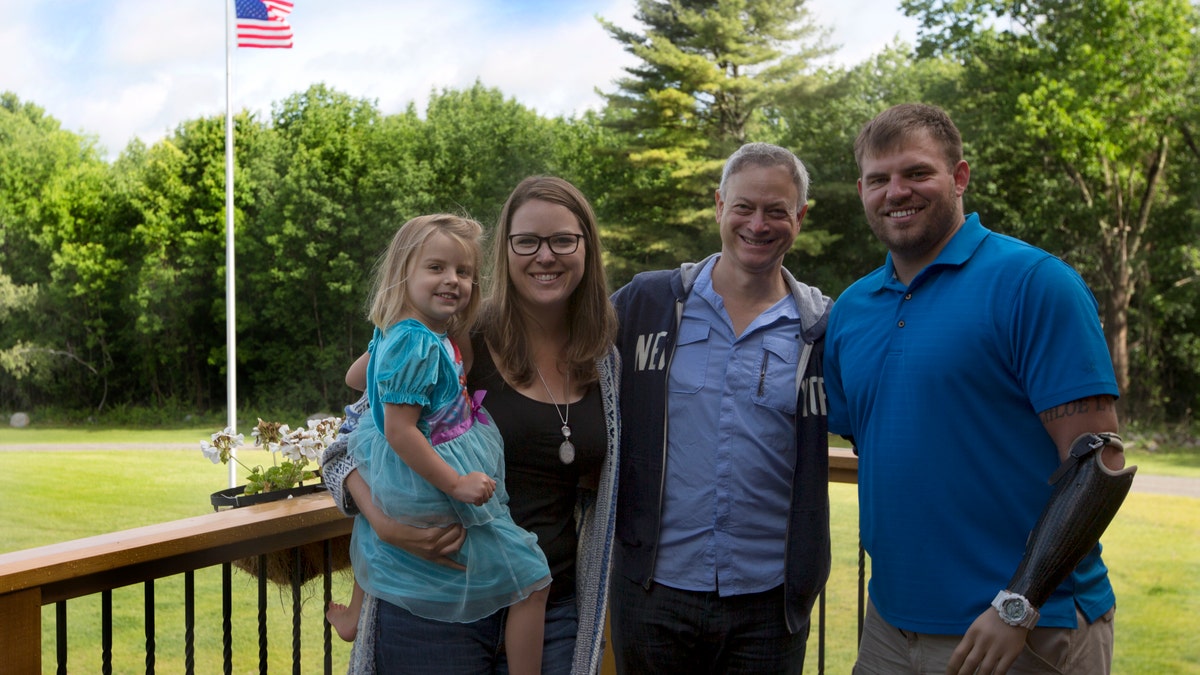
886	650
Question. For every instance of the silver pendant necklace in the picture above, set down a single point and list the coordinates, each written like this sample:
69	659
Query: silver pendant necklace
566	449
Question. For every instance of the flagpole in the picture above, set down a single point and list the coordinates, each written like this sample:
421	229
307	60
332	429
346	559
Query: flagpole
230	324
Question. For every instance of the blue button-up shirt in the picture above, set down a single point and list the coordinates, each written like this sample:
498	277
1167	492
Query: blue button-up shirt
731	448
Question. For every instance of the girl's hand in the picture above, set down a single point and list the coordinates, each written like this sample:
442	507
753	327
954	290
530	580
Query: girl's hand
474	488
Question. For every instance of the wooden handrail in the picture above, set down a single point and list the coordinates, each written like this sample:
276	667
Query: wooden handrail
164	549
843	465
47	574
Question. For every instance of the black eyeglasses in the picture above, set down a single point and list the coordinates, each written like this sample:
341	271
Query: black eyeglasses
529	244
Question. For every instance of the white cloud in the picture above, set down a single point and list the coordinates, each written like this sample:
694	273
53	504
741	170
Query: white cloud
131	68
138	35
582	57
862	28
23	58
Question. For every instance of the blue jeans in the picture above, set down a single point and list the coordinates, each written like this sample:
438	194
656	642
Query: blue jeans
667	630
409	644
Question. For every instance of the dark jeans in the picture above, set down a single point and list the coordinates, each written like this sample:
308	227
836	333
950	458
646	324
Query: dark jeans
666	630
409	644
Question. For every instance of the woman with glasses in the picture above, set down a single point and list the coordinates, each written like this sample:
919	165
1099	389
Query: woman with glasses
542	351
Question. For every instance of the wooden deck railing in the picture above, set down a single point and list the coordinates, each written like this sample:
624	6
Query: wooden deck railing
843	465
51	574
59	572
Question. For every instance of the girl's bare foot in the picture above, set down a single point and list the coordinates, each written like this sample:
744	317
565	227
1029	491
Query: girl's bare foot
344	621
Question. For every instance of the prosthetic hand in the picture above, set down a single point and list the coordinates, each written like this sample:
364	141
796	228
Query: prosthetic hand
1086	496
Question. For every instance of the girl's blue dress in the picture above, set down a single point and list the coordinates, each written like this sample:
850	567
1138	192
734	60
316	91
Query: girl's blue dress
409	364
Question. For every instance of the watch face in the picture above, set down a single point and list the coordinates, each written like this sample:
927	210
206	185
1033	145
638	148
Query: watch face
1014	609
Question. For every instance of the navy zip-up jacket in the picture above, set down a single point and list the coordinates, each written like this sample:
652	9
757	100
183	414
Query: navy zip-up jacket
649	309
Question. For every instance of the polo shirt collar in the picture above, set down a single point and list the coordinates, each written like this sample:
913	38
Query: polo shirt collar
957	252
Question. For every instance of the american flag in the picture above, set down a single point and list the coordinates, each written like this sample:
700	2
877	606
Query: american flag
263	23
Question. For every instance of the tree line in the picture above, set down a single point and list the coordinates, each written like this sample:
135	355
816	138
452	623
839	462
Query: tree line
1077	121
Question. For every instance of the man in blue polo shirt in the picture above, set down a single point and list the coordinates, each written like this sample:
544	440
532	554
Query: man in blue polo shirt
723	499
968	370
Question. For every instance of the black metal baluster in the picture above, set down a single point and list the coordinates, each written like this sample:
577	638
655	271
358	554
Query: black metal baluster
862	590
106	632
821	634
149	612
60	627
226	612
189	622
297	610
327	548
262	614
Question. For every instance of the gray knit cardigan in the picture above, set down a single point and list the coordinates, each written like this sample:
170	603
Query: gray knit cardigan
595	519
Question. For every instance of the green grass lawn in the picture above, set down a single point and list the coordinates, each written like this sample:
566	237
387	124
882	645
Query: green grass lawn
1152	549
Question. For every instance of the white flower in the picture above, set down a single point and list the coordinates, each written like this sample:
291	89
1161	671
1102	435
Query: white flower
270	435
311	448
223	442
226	438
326	430
294	445
211	451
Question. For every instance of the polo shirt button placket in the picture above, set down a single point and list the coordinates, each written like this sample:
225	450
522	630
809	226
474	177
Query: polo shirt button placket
907	297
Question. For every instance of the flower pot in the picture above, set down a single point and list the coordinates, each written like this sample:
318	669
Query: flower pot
236	496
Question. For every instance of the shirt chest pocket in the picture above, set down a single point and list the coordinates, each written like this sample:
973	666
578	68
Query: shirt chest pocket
689	364
776	374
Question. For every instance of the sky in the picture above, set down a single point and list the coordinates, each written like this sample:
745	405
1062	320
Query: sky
117	70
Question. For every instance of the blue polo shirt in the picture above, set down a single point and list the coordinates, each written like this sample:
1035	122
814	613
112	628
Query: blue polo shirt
940	383
731	447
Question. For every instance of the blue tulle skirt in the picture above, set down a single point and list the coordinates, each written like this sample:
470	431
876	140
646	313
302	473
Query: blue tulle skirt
504	563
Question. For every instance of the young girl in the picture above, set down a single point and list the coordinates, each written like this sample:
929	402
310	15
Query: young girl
430	454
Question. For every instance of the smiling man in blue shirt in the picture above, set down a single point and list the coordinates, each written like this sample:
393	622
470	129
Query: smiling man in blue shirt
967	369
723	504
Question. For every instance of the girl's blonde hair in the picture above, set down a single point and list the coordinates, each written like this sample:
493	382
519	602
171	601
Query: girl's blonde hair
506	321
389	291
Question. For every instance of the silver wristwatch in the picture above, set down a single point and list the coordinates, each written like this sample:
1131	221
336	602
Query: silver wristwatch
1015	609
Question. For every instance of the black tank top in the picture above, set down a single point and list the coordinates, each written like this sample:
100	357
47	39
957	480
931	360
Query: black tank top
542	490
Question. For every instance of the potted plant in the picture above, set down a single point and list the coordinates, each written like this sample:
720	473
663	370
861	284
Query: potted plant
301	449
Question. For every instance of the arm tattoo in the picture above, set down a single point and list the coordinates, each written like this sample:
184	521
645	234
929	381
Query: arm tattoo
1079	407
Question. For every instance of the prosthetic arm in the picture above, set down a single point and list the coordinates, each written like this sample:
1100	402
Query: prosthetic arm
1086	496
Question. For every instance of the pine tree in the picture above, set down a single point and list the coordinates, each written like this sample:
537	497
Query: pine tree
709	69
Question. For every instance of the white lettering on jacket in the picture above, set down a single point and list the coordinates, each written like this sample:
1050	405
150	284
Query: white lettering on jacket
813	396
649	354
